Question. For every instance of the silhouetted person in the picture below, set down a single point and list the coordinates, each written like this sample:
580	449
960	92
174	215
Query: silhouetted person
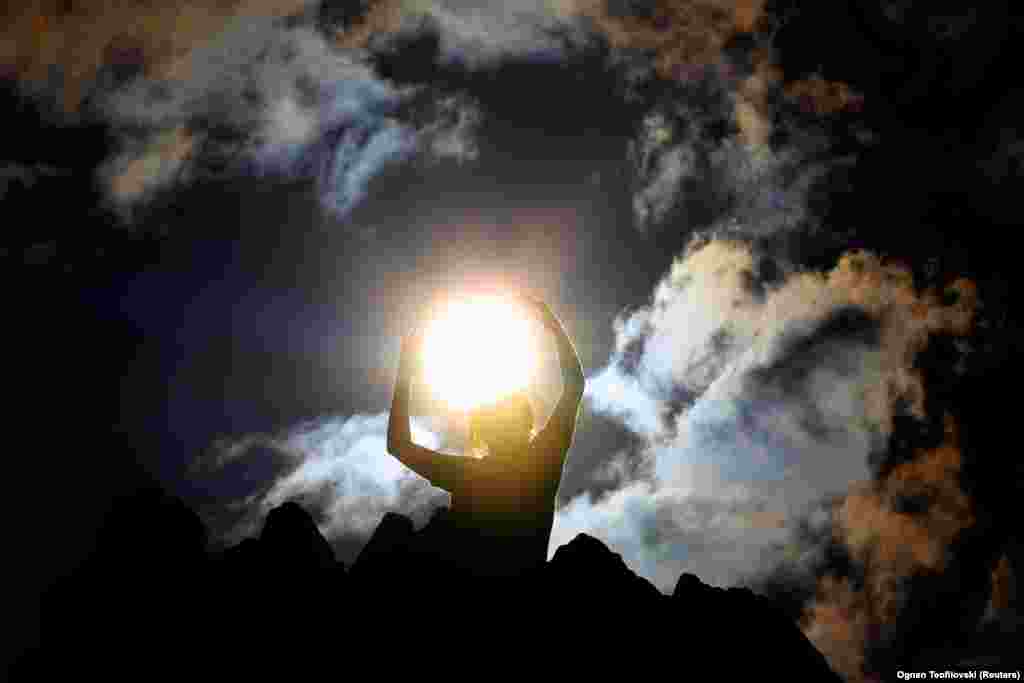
503	504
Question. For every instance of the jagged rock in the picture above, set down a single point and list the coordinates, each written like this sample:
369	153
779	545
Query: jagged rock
720	619
434	548
688	586
387	548
403	579
585	568
151	527
290	538
246	554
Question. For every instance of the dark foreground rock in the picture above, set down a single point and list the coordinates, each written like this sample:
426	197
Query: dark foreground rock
152	604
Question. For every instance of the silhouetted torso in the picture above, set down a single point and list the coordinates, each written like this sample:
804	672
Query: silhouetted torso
502	509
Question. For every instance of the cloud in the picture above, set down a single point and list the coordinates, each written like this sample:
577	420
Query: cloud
696	42
821	96
274	98
248	90
730	138
787	388
274	90
67	46
702	159
337	468
685	36
254	86
614	393
661	531
474	34
901	533
150	164
446	126
802	445
245	89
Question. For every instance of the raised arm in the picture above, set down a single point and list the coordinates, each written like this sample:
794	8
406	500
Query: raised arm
558	432
441	469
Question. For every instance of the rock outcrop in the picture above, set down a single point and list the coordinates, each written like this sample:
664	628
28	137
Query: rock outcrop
150	596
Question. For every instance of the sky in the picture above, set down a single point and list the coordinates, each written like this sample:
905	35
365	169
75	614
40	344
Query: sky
775	231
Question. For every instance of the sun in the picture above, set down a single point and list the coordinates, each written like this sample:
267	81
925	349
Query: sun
478	351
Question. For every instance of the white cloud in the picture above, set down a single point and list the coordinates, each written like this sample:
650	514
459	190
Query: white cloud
614	393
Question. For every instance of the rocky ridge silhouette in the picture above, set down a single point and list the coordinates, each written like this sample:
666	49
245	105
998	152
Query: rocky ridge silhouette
151	598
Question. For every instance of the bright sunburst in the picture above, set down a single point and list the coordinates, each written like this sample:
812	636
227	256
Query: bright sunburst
478	351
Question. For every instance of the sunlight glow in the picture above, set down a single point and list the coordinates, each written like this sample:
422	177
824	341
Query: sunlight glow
478	351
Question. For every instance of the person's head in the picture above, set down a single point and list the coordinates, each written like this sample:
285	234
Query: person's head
504	428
